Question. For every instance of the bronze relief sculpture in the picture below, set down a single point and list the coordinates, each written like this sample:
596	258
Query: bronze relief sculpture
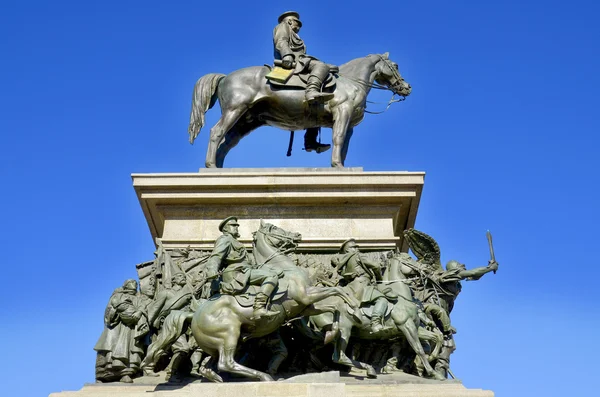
370	303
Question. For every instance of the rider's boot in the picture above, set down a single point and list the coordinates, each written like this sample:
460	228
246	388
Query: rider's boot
376	324
260	307
310	141
378	315
172	374
318	74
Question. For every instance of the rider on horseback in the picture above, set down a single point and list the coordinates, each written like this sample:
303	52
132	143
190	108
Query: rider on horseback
360	274
231	256
290	48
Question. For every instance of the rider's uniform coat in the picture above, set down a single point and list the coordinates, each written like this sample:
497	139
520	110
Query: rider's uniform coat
287	42
360	273
230	256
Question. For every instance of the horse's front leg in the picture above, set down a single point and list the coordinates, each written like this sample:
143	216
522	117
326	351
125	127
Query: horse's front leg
408	326
346	144
340	128
227	350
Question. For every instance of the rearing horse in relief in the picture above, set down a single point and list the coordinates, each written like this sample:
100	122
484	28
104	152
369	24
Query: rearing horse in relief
221	321
248	101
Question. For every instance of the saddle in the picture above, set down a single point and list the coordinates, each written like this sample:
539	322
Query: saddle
294	78
246	298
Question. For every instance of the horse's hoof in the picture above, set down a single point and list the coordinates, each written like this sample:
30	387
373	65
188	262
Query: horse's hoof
266	378
336	164
210	165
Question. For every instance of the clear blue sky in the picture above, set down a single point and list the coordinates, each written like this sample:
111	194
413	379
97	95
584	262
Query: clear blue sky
503	118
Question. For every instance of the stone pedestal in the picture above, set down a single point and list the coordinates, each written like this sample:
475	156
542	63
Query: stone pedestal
278	389
328	384
326	206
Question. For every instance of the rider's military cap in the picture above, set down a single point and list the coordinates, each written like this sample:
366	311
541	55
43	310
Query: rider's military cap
228	220
344	244
292	14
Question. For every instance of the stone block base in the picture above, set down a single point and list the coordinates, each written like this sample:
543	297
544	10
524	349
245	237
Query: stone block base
328	384
326	206
277	389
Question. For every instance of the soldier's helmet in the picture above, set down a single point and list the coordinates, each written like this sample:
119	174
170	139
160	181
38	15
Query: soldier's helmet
345	244
451	265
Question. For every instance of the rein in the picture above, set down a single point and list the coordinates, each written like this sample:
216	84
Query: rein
280	250
392	100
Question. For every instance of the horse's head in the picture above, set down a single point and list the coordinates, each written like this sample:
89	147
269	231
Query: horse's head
388	75
277	237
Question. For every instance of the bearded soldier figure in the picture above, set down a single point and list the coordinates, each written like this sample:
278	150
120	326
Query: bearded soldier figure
290	48
230	256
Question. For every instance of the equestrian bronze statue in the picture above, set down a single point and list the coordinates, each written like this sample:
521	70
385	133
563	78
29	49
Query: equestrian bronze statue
307	94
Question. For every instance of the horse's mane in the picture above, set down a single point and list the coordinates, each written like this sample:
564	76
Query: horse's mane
351	65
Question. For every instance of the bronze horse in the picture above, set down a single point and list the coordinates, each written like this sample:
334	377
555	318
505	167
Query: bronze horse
402	320
220	321
248	102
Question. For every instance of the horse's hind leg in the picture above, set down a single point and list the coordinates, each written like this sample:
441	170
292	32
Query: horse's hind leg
207	371
217	133
242	128
227	362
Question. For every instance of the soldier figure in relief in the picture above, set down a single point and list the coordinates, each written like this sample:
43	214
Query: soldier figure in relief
120	348
170	314
230	256
361	275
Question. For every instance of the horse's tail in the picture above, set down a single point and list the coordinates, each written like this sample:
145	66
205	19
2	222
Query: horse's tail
204	98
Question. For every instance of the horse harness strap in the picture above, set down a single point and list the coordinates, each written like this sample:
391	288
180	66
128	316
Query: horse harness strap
279	251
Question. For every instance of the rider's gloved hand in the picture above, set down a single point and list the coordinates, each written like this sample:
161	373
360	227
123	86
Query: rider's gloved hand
287	62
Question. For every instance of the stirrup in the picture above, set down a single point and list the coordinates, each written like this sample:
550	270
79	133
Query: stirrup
316	96
316	146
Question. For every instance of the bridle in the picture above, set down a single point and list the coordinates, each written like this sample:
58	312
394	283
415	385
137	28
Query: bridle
288	246
395	84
